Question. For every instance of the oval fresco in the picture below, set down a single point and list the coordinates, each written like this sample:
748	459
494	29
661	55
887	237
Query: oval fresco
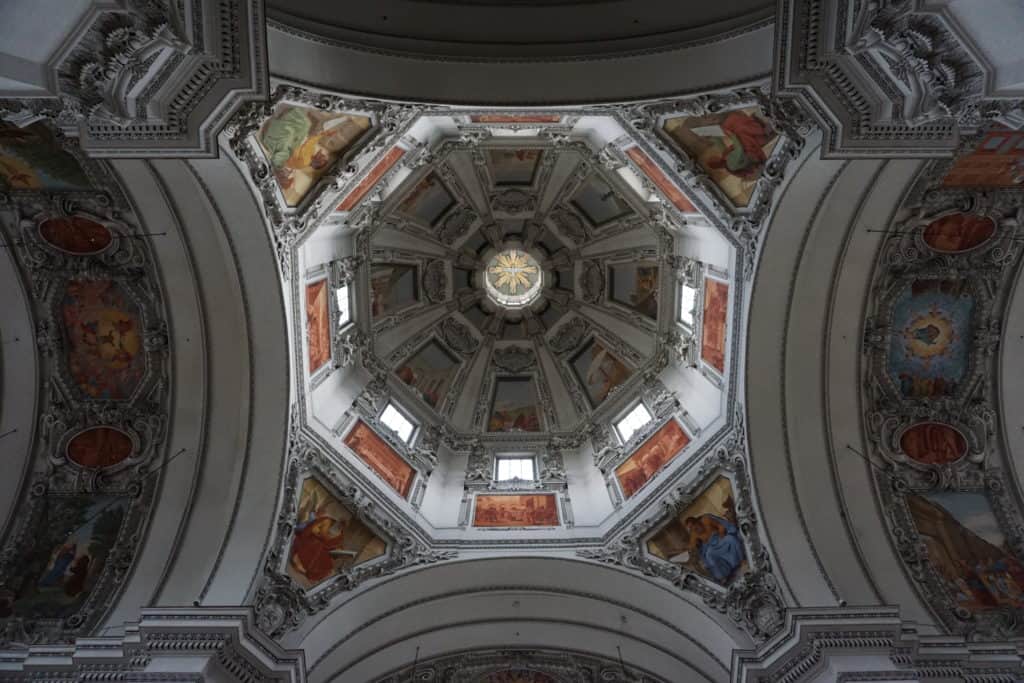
104	341
99	447
930	344
933	443
958	232
76	234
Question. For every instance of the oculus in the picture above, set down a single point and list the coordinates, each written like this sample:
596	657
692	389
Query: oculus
512	278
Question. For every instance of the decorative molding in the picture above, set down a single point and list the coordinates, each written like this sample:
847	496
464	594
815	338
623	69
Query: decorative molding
870	644
752	600
167	644
561	667
514	359
987	272
279	603
154	78
886	79
67	408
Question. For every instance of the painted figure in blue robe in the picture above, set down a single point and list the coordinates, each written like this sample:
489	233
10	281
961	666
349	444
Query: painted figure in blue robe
718	542
65	556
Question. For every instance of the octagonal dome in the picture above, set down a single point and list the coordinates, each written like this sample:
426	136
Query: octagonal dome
603	370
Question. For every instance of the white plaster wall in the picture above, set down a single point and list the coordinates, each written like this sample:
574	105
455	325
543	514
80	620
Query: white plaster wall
230	385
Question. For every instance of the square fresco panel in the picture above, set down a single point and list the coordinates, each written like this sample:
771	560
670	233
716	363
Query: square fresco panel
328	538
515	407
427	201
430	372
513	166
716	305
31	158
535	509
599	371
997	161
104	344
929	349
598	202
653	454
393	287
381	458
56	572
704	537
635	285
303	143
318	325
731	146
968	549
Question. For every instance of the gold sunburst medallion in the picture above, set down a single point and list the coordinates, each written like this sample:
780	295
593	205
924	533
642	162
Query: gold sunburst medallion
513	277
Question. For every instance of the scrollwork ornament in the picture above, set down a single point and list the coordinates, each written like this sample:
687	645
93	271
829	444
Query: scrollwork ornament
514	359
435	281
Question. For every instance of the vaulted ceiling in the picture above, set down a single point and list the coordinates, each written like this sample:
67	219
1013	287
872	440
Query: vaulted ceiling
481	344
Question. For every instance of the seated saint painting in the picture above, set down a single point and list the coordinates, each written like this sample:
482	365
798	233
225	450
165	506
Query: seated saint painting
704	537
327	538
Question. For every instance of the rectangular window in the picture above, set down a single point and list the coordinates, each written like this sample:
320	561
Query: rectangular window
395	420
687	304
344	312
514	468
634	420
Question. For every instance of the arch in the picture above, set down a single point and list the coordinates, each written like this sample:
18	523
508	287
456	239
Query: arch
803	384
543	602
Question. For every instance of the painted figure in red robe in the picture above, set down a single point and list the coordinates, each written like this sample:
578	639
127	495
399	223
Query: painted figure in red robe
311	549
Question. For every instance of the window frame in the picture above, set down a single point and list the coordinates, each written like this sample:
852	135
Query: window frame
338	287
514	456
691	324
403	413
624	415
